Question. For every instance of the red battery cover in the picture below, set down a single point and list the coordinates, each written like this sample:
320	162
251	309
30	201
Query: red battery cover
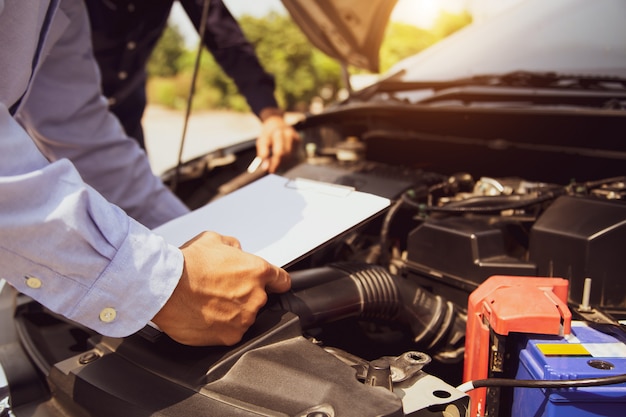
505	304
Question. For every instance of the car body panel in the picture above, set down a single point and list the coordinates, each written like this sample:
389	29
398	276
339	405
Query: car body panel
562	36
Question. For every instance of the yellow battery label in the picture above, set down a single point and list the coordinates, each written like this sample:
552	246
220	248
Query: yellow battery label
563	349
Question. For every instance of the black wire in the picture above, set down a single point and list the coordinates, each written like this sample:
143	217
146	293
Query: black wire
493	204
565	383
391	213
490	208
384	231
505	203
192	89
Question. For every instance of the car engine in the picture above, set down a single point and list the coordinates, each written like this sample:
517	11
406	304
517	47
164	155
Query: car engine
375	324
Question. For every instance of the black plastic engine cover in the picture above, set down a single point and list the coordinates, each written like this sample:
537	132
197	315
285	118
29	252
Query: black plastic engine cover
578	238
273	372
453	256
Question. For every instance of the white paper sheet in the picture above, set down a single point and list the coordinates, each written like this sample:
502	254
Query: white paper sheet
277	218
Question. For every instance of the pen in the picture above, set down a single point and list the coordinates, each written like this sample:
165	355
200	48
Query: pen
255	164
256	169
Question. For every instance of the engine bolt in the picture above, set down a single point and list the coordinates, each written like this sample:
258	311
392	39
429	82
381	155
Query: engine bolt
88	357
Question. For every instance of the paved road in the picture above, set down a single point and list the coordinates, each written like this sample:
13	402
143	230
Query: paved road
206	131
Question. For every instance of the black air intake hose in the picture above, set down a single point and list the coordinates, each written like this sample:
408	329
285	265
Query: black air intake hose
342	290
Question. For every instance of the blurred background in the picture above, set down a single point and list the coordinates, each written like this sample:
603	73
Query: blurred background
306	79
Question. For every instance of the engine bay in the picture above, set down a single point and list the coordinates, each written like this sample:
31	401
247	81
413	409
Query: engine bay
376	320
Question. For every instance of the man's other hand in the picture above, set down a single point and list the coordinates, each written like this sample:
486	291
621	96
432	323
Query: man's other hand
276	141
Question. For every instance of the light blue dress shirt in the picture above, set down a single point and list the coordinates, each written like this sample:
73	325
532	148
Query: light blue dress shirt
75	235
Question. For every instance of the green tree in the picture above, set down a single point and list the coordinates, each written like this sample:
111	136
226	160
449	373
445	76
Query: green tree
401	41
299	69
164	59
448	23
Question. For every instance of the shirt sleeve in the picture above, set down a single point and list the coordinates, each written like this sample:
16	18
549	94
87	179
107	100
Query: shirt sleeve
234	53
61	242
65	246
68	117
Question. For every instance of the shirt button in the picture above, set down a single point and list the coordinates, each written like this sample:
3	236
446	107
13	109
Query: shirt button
111	101
33	282
122	75
131	45
108	314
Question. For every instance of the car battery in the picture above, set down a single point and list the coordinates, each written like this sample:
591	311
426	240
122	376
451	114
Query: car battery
589	351
501	310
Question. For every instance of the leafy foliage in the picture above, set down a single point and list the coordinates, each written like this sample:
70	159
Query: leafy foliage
302	72
448	23
164	59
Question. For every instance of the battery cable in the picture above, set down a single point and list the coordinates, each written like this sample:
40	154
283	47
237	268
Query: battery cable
531	383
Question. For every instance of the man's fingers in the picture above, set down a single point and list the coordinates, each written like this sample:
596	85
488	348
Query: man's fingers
276	141
263	147
280	281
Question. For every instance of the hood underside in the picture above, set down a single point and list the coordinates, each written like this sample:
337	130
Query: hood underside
350	31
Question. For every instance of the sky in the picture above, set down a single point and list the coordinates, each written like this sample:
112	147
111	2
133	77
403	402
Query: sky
421	13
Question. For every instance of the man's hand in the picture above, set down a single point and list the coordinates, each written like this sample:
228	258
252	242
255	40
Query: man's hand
220	292
276	140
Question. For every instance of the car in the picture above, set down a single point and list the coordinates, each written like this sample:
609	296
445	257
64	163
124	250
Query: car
501	150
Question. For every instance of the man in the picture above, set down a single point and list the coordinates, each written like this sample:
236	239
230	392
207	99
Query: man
124	34
61	241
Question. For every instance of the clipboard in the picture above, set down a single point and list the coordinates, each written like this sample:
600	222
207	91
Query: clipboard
279	219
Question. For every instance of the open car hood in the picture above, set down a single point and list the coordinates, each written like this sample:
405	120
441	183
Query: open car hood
348	30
